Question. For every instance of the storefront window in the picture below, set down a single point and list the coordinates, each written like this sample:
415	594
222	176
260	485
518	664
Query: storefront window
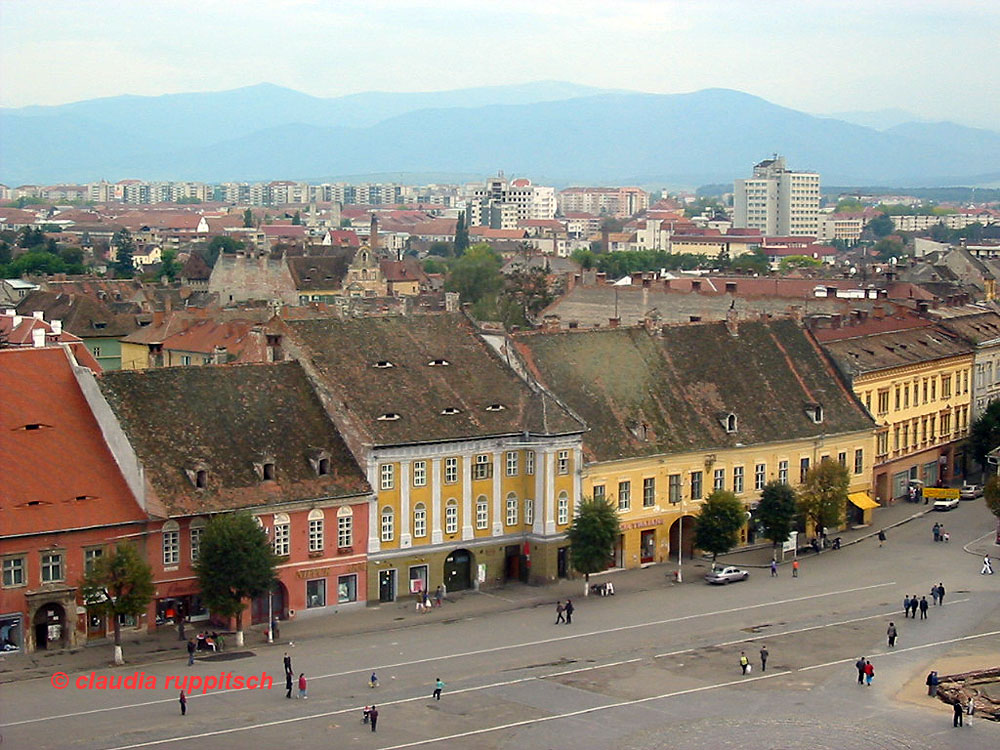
316	593
347	589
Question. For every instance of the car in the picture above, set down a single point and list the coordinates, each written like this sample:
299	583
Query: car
727	574
948	503
970	491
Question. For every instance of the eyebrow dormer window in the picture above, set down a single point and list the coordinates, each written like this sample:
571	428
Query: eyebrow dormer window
728	422
201	479
449	410
815	413
388	417
323	468
383	364
438	363
495	407
268	472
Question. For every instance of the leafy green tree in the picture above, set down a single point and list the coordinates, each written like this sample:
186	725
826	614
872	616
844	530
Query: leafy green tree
991	496
235	563
36	262
188	200
984	435
440	249
221	244
799	261
71	256
431	265
586	258
476	274
247	218
777	511
168	264
30	237
881	226
849	205
592	537
889	247
297	219
718	522
125	246
119	584
823	495
755	262
461	235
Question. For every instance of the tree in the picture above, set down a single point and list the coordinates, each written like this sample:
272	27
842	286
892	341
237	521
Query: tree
585	258
722	515
168	265
476	274
776	511
119	584
881	226
823	495
755	262
122	265
889	247
991	496
799	261
235	563
440	249
461	235
221	244
984	435
592	537
247	218
297	219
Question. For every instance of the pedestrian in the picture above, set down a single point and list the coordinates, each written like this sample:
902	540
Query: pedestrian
373	681
438	687
957	712
288	684
190	648
906	605
744	662
438	594
932	683
184	704
302	686
373	716
941	594
987	567
891	633
869	673
881	537
763	658
795	568
913	605
923	608
559	612
774	568
860	666
934	594
288	664
569	611
937	532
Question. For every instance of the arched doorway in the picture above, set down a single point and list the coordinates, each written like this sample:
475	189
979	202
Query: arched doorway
50	627
687	523
458	570
279	605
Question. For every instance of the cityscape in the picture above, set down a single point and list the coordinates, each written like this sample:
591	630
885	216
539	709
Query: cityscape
319	411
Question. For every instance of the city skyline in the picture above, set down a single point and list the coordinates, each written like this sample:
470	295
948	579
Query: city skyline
920	57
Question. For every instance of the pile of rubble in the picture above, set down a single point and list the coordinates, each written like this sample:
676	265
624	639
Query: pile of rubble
982	685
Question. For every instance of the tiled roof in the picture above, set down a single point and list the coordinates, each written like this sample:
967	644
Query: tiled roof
681	386
315	272
407	269
466	375
225	420
283	230
63	466
896	349
241	342
435	227
976	329
81	315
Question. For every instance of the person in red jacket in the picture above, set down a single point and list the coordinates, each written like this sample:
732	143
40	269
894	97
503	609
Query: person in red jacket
302	686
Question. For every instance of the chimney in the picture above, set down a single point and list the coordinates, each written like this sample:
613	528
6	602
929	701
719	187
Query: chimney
57	327
39	315
614	322
605	239
732	322
373	234
219	355
38	337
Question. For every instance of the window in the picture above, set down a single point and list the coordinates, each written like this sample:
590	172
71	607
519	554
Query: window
759	476
624	495
388	525
946	386
451	517
695	485
185	359
562	512
803	469
483	468
842	459
316	593
737	479
52	567
316	540
859	460
511	463
599	492
388	478
906	395
197	528
419	473
201	479
674	488
171	543
420	521
268	472
898	400
13	571
512	510
933	389
97	353
450	470
282	534
345	528
649	492
529	462
783	472
883	443
90	558
482	512
529	512
924	388
563	462
719	480
347	589
883	401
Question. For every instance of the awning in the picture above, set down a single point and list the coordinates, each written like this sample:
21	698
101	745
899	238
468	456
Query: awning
862	500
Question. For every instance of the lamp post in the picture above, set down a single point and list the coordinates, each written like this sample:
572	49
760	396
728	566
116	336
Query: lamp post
270	619
680	543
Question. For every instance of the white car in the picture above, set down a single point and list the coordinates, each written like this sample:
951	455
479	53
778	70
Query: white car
727	574
949	503
970	491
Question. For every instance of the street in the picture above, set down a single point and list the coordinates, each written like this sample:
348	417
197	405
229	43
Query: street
647	669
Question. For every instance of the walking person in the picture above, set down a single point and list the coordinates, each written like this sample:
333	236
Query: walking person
569	611
860	666
184	704
744	662
987	567
438	687
923	608
774	568
913	605
869	673
932	683
559	612
373	716
190	648
288	664
934	595
795	568
288	684
373	681
937	532
438	594
906	605
881	537
763	658
957	711
941	594
891	633
302	686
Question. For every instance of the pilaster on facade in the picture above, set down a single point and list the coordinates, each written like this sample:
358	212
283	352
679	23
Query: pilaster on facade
467	531
538	522
497	492
405	538
436	535
374	543
550	491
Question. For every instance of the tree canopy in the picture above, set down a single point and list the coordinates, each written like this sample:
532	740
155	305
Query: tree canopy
984	434
119	584
592	536
476	274
124	247
461	234
777	511
991	496
881	225
721	517
823	495
799	261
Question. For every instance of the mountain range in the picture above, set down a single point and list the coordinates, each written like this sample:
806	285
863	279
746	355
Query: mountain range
554	132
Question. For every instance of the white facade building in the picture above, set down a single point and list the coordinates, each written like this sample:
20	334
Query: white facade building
778	201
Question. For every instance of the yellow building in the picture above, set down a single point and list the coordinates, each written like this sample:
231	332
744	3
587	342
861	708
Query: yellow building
916	383
675	413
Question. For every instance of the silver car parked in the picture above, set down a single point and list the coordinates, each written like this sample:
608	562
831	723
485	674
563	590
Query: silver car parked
727	574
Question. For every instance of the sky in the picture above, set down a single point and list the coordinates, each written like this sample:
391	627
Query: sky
937	59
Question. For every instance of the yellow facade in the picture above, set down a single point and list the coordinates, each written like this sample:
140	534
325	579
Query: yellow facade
135	356
663	489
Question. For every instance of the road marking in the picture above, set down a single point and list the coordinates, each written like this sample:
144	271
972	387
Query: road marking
479	652
904	650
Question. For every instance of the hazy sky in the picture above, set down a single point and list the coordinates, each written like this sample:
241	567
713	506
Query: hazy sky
938	59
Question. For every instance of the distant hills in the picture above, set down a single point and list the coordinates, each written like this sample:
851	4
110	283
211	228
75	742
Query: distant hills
554	132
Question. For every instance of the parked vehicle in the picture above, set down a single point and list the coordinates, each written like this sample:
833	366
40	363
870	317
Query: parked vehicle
970	491
949	503
727	574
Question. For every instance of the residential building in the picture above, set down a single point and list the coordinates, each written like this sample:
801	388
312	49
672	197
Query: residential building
981	328
500	204
777	200
619	203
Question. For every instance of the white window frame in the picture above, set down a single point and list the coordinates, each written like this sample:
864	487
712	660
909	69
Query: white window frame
195	530
529	512
529	462
512	510
738	480
388	524
171	543
759	476
15	567
451	517
562	511
419	521
282	535
512	463
482	512
719	480
648	492
345	528
451	470
387	476
90	558
317	531
53	568
483	467
562	462
419	473
783	471
624	495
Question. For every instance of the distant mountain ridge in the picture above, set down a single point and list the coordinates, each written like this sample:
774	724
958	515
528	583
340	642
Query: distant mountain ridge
562	131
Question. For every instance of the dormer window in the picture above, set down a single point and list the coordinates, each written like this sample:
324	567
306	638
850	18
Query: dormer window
390	416
495	407
815	413
100	324
201	479
438	363
449	410
268	472
383	364
33	426
323	469
728	422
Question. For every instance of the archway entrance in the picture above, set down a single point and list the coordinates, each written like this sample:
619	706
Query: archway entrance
279	605
458	570
50	627
687	545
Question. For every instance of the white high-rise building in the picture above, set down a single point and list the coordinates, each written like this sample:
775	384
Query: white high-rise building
778	201
500	205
